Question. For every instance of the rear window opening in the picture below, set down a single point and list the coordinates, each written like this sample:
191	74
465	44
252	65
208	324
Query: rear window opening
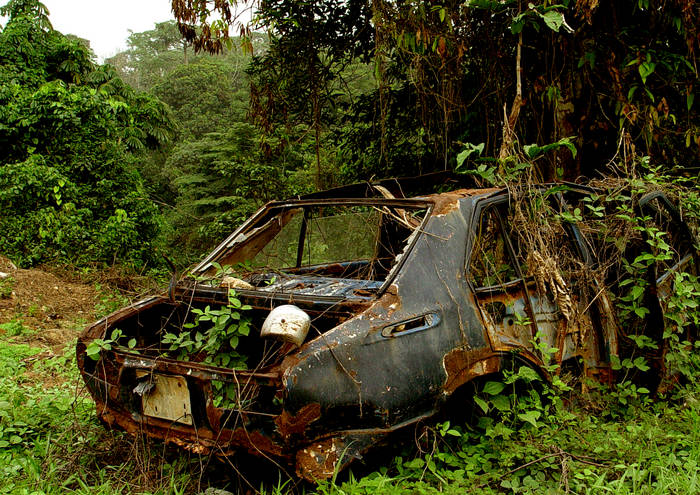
294	248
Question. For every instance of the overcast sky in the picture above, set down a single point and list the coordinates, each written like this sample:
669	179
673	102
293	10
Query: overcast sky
106	23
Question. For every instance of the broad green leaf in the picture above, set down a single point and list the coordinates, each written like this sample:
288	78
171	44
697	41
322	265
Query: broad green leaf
641	312
554	20
636	292
530	417
645	70
641	364
469	149
533	150
501	402
482	404
493	388
528	374
415	464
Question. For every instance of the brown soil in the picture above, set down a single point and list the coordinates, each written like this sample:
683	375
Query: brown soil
54	309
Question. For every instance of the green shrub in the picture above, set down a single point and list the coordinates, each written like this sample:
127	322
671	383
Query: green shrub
70	136
7	285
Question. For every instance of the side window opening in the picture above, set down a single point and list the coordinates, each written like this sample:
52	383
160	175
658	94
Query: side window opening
669	242
490	264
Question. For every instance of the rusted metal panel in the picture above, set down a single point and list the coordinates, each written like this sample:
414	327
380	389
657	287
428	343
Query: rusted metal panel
165	397
289	425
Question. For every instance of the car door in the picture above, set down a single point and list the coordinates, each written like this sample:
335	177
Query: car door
526	300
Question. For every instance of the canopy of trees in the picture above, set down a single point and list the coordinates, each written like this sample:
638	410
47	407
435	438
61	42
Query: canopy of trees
503	73
216	172
184	134
70	134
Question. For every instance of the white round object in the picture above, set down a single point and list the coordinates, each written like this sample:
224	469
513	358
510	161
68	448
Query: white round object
287	323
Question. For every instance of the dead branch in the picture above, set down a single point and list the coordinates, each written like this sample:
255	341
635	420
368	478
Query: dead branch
509	121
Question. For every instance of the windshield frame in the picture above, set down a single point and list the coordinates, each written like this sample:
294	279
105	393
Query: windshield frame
258	218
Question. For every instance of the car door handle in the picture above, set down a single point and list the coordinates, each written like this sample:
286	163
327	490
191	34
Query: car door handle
413	325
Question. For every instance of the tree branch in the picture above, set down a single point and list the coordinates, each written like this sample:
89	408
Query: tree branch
509	121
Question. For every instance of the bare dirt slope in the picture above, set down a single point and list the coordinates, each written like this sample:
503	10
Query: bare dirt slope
54	309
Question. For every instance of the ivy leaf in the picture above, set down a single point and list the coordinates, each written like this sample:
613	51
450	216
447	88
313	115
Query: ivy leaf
641	364
501	402
469	150
530	417
527	374
645	70
636	292
533	150
482	404
225	360
641	312
555	21
415	464
243	328
493	388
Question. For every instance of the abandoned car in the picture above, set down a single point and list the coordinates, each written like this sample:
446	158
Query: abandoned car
325	323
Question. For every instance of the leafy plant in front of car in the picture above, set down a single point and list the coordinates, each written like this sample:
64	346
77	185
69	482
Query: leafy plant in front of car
214	333
96	346
213	338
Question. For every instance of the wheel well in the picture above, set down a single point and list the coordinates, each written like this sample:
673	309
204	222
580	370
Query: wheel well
461	403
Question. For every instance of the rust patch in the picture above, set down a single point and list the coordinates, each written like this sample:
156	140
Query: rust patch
226	442
254	442
463	366
289	425
318	460
194	447
289	361
449	201
391	301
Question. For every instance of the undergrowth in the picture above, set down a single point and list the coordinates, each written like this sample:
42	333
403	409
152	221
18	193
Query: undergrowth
51	442
532	439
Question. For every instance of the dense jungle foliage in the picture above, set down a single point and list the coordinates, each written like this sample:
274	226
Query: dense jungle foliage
502	73
71	133
171	143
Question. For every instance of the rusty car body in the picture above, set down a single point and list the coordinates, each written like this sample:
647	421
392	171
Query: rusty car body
409	301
